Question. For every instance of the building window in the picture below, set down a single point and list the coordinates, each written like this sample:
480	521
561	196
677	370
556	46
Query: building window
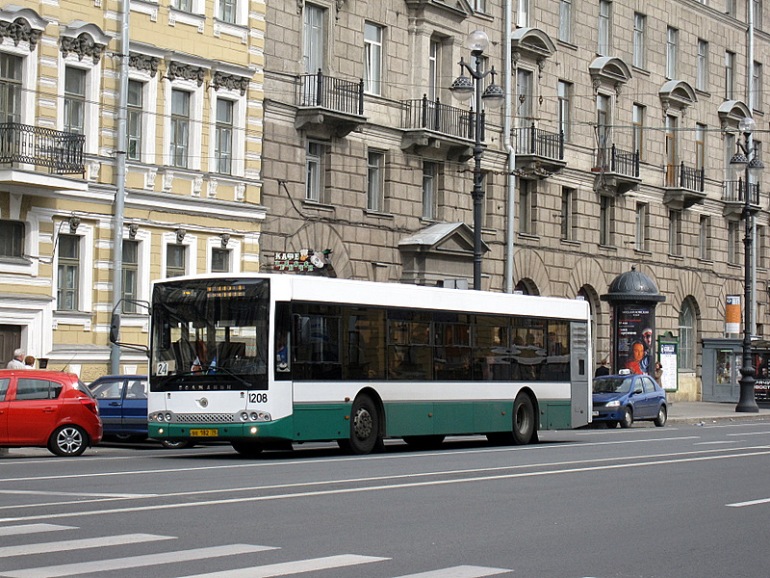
704	238
761	234
755	99
434	64
522	14
375	181
527	203
68	273
603	128
687	337
564	90
220	260
74	100
130	281
730	8
134	118
675	233
568	201
672	151
525	97
702	66
640	54
183	5
605	28
733	242
224	136
227	11
637	135
10	88
672	40
372	58
606	221
480	6
429	188
700	145
180	128
313	38
316	168
729	75
757	14
11	239
565	20
642	227
175	260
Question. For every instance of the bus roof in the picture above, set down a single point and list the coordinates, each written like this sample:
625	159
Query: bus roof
353	292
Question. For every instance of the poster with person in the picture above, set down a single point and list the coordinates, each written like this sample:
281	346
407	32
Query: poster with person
634	338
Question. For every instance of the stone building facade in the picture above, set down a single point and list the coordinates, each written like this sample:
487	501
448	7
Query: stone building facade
611	150
192	171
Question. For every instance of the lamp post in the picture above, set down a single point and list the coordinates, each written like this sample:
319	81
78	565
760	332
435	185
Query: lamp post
464	88
740	160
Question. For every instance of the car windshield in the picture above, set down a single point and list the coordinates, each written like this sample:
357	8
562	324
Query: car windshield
612	385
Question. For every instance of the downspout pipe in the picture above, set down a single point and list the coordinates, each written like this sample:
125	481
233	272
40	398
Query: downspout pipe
120	177
510	185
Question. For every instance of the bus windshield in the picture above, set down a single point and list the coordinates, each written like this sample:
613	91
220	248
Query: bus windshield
209	335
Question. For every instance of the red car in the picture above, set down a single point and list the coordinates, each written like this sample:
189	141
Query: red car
48	409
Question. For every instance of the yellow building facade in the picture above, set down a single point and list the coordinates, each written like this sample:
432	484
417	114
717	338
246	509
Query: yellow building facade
187	93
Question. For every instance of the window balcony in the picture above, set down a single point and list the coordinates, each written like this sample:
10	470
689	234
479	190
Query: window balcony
734	198
617	171
685	186
444	131
539	153
329	106
60	152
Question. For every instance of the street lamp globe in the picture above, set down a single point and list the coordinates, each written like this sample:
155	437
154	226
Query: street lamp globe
462	88
477	42
747	125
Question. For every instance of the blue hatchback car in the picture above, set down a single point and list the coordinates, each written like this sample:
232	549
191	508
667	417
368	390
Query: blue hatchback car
122	403
626	398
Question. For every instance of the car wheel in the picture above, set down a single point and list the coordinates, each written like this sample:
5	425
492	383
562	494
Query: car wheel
628	418
177	444
68	441
660	421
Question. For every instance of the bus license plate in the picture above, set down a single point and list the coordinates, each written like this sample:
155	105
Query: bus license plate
204	433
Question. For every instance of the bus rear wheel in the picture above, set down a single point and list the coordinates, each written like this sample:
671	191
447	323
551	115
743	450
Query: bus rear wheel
364	426
248	449
524	424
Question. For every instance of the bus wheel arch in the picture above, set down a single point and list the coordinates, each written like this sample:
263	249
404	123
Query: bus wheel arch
525	417
367	424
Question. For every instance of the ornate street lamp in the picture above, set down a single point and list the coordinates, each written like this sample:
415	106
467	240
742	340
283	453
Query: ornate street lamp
464	88
753	167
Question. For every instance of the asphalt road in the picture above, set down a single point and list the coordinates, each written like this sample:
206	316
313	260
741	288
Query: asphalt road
678	501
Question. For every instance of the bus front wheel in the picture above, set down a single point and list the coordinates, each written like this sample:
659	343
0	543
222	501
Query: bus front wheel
364	426
524	424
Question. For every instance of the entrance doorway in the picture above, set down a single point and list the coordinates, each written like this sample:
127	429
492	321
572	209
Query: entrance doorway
10	339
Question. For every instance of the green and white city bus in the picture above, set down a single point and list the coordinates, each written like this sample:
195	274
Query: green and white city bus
264	361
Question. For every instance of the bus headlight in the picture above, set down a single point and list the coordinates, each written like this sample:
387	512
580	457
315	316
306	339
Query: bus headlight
255	416
161	417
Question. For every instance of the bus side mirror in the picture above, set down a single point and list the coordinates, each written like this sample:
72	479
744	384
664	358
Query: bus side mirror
115	328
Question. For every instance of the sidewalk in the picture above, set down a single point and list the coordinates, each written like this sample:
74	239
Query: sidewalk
708	412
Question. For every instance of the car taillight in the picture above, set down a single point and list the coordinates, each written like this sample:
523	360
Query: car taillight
90	404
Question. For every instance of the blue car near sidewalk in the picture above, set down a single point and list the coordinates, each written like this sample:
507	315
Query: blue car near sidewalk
122	403
626	398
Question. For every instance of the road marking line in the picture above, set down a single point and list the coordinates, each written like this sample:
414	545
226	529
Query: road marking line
298	567
749	503
460	572
717	443
83	494
66	545
752	433
355	490
136	561
32	529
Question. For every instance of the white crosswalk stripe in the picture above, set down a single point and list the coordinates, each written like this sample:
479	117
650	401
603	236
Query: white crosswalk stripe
83	544
296	567
136	561
460	572
32	529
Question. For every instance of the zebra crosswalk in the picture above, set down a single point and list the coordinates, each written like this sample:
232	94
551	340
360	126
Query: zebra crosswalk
240	557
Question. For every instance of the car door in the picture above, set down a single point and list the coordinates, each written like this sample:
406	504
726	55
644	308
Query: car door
4	383
135	406
33	412
648	398
109	396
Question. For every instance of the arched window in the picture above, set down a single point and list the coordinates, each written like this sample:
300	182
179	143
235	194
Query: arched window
687	323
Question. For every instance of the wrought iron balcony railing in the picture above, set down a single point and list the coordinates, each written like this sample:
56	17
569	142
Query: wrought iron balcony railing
319	90
735	191
432	115
620	162
61	152
684	177
539	142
